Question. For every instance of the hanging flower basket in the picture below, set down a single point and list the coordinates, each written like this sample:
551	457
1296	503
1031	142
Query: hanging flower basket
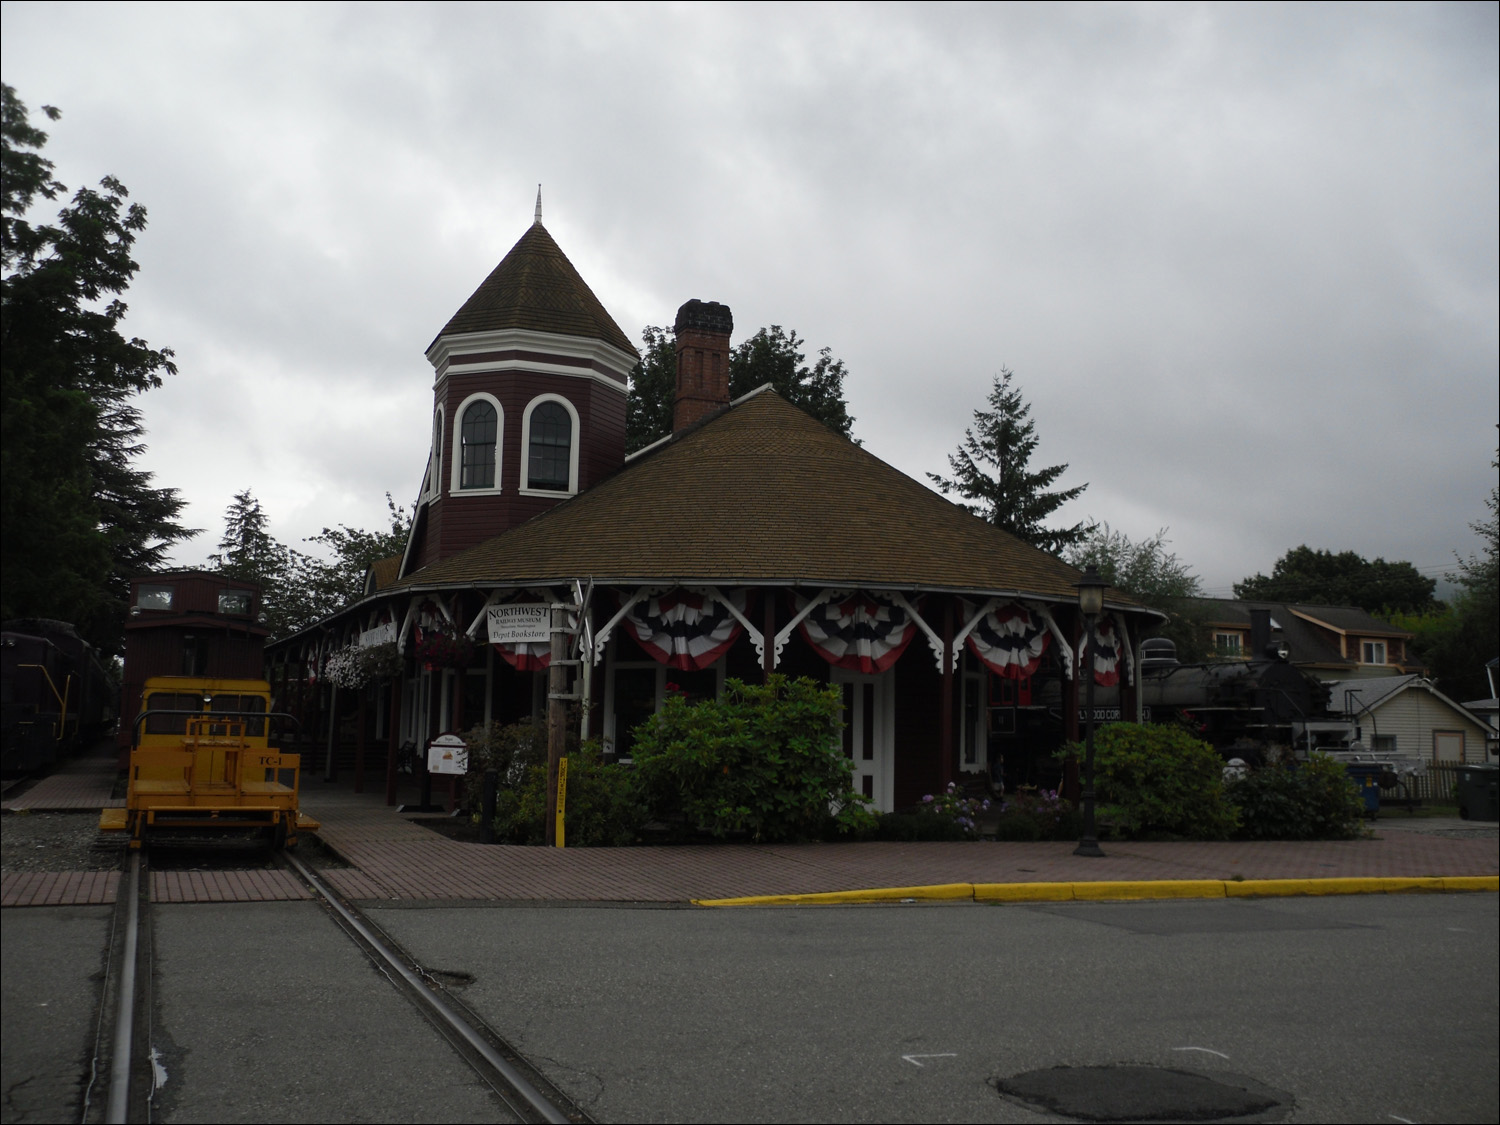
442	650
382	662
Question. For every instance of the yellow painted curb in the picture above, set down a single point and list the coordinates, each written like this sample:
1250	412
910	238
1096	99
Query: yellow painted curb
1023	892
1160	888
1472	883
1126	890
940	892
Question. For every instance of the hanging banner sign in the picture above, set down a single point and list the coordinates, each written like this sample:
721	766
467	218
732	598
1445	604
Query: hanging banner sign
380	635
519	623
863	632
1010	640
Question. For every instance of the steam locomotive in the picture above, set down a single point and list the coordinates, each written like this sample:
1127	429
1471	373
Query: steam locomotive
1245	708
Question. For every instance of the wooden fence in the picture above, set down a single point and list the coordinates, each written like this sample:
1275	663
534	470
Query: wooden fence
1436	786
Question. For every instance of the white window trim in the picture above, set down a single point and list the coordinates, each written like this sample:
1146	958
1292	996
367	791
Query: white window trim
1373	648
525	478
456	470
663	675
435	463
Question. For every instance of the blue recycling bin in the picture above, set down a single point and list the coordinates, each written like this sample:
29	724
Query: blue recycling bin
1366	777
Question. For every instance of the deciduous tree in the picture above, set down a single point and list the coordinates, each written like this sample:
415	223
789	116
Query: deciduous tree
991	470
773	355
1147	571
1310	577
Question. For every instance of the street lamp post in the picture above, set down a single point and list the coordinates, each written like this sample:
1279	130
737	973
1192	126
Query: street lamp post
1090	603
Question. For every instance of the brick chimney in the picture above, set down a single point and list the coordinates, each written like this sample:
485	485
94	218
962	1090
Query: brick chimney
703	329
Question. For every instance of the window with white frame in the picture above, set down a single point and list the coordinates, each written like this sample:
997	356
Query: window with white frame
476	453
1229	645
435	461
636	689
549	439
1372	652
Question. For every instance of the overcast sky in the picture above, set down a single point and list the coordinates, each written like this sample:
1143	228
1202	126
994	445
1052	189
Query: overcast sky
1242	260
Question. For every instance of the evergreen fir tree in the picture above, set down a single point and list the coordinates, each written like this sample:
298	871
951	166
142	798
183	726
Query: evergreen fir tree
990	469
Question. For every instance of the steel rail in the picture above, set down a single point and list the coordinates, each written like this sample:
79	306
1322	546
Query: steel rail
116	1109
451	1019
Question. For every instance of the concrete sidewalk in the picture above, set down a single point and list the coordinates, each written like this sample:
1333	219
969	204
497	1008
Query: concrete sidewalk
393	858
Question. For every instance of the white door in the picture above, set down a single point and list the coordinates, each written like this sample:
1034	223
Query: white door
869	733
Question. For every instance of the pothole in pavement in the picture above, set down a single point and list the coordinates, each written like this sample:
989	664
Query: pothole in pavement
1145	1093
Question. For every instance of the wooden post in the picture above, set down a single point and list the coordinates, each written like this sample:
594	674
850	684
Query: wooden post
330	770
557	715
768	634
394	741
945	769
360	747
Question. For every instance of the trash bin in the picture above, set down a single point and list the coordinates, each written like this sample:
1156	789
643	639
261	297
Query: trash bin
1479	792
1366	777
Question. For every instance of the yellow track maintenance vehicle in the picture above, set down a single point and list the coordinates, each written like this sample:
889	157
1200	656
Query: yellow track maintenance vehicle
201	764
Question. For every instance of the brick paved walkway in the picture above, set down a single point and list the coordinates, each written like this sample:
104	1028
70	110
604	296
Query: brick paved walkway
393	858
82	783
59	888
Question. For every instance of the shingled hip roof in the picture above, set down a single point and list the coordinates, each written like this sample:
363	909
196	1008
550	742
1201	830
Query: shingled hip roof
761	493
536	288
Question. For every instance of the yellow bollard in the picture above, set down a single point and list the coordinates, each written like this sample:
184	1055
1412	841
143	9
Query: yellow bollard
562	796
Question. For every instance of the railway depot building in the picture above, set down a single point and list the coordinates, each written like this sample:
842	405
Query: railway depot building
752	540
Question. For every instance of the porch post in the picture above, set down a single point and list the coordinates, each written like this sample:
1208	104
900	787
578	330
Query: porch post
394	741
363	697
945	767
768	634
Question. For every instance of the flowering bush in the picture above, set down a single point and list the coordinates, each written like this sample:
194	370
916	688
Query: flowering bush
1031	814
954	806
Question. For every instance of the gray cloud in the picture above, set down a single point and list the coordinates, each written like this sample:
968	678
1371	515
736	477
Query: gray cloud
1243	260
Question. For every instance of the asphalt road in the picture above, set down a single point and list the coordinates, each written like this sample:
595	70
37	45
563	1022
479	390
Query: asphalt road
1373	1008
51	973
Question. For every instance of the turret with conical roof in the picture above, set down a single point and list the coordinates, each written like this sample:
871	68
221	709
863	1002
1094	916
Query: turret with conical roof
529	400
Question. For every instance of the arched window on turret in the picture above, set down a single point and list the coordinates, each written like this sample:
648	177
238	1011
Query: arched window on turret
549	436
435	459
477	438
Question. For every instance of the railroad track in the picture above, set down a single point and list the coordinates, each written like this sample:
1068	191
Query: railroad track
124	1080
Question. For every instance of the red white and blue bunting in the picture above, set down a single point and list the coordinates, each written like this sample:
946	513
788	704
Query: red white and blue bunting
1108	649
685	630
1010	640
861	632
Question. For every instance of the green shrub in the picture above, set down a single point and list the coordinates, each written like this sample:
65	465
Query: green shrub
1159	781
602	807
764	760
1311	800
509	750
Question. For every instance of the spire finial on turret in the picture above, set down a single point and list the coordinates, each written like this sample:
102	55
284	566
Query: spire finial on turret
537	220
